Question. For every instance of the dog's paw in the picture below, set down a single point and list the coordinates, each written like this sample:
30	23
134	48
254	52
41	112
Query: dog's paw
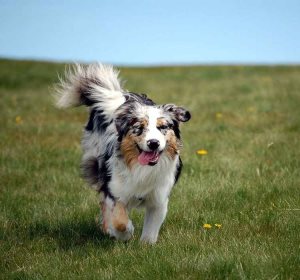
122	232
149	239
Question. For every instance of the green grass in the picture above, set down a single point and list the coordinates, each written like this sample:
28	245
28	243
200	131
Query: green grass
249	181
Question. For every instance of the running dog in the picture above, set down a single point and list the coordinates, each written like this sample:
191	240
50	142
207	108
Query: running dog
130	148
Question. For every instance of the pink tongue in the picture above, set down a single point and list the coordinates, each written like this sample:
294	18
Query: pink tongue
146	157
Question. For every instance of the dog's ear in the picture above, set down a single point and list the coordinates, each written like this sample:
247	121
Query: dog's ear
177	113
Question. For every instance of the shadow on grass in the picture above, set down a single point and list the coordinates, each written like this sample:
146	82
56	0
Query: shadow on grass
72	234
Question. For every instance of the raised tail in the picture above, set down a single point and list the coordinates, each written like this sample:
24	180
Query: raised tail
94	85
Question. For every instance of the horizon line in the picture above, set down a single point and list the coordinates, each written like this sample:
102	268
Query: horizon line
155	64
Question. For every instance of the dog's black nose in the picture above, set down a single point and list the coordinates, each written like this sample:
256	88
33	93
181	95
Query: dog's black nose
153	144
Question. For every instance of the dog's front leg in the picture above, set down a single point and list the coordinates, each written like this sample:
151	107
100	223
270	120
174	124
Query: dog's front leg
115	220
154	217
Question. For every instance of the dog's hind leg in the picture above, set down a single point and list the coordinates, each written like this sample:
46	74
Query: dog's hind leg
115	220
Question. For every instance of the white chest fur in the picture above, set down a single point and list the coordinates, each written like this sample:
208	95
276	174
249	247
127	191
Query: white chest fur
143	181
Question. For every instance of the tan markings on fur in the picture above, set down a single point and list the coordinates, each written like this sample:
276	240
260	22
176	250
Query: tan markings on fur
129	149
161	122
173	144
119	217
128	146
144	122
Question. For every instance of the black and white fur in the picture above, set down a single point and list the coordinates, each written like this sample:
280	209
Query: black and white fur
130	146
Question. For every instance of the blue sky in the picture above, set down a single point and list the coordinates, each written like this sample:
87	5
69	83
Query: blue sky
152	32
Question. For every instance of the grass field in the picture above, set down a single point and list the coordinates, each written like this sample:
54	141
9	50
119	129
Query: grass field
246	118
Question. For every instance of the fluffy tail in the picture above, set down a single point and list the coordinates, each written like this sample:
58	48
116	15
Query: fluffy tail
95	85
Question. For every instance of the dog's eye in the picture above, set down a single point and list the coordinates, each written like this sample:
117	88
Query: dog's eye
138	126
163	127
138	129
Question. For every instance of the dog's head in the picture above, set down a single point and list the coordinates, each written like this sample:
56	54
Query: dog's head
145	132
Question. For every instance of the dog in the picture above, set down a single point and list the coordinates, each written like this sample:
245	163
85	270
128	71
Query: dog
130	148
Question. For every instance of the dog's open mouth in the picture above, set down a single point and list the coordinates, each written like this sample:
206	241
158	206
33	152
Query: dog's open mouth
148	158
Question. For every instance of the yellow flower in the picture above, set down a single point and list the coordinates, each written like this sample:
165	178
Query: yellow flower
219	115
207	226
19	120
218	225
202	152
